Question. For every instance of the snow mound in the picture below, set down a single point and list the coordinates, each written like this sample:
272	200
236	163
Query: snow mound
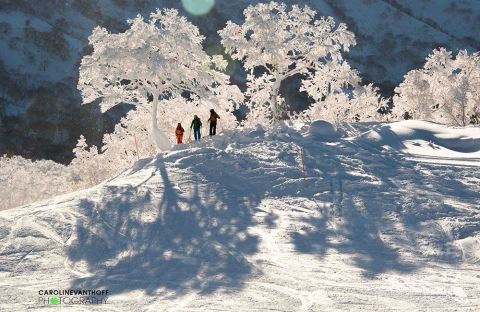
322	129
470	248
232	223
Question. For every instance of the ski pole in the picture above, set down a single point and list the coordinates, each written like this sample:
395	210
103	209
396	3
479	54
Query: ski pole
303	164
136	145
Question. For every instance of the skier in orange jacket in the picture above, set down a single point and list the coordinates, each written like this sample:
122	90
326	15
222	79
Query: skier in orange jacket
179	133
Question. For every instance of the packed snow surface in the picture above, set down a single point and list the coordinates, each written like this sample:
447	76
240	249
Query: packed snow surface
388	218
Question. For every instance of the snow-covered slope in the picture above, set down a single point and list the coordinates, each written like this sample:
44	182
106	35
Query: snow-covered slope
232	224
42	42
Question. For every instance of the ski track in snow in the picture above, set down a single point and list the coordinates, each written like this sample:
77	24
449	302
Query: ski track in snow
230	224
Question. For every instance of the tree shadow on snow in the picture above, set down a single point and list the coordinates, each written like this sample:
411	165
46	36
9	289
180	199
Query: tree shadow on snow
152	238
374	206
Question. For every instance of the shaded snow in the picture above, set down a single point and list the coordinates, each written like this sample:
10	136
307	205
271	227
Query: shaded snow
231	224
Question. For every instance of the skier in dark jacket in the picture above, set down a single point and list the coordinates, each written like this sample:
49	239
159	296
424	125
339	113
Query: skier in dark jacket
213	122
196	125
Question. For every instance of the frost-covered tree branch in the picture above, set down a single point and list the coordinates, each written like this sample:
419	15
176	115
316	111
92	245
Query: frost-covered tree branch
364	104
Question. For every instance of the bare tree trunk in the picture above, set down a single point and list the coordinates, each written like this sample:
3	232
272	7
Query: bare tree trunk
277	110
161	140
463	103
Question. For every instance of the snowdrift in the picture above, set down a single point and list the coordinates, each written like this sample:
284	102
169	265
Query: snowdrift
232	224
429	141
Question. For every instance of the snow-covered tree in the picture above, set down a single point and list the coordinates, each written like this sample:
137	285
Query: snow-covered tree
275	44
363	103
24	181
414	97
330	79
445	90
335	108
367	103
465	89
87	167
155	59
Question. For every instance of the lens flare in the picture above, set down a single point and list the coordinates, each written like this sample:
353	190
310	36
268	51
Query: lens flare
198	7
